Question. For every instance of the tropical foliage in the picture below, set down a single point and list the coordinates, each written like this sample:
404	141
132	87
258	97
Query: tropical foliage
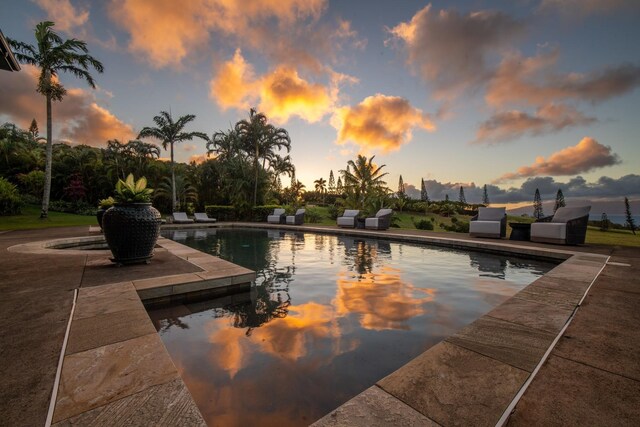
132	191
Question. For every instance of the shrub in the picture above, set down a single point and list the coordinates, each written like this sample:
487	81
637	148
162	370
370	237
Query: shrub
78	208
424	224
10	201
457	226
260	213
221	213
312	216
334	211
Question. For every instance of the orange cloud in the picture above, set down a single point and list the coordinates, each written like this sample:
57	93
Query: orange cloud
587	155
448	49
198	158
379	122
281	94
509	125
382	300
531	81
165	32
78	117
64	14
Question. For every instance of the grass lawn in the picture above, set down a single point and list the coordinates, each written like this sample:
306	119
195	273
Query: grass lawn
30	218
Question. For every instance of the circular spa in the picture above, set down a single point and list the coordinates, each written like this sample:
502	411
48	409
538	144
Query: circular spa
327	317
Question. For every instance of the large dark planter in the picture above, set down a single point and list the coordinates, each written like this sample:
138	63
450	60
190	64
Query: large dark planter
131	231
99	215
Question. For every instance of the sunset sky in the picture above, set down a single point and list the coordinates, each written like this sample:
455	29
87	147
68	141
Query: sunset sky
517	95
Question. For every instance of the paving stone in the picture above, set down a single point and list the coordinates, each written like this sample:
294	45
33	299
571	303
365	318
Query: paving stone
574	287
374	408
167	404
532	314
109	328
550	296
105	374
106	299
519	346
566	393
455	386
158	282
574	272
605	334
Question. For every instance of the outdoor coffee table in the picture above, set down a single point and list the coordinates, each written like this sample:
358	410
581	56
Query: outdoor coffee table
520	231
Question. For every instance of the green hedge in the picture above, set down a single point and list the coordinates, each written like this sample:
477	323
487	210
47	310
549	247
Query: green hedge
230	213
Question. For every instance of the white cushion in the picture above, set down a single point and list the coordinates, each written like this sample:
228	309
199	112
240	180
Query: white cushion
565	214
549	230
350	212
372	223
291	219
346	221
485	227
491	214
273	219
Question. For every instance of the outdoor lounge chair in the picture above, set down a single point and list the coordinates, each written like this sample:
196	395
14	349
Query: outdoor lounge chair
348	218
181	218
203	217
297	219
381	221
277	217
490	222
568	226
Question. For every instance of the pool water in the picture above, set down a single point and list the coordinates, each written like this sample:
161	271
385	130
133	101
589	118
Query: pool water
328	317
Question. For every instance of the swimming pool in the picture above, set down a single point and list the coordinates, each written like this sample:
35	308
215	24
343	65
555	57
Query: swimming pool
328	317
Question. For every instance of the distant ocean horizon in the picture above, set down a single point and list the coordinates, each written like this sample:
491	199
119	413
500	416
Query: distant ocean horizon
615	218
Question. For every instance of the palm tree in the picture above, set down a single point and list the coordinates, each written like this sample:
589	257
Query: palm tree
53	55
169	133
224	145
321	186
363	179
261	139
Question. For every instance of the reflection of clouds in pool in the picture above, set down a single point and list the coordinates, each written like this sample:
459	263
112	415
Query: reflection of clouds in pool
382	299
293	337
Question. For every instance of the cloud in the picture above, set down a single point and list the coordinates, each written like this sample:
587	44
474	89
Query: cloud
379	122
280	94
166	32
78	117
587	155
509	125
588	7
64	14
531	81
604	188
198	158
449	49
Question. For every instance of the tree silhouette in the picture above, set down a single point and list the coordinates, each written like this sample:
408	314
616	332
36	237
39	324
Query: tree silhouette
631	223
485	196
332	183
537	205
604	222
461	198
423	191
559	201
401	189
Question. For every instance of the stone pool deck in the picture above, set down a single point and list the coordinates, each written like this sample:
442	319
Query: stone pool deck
490	369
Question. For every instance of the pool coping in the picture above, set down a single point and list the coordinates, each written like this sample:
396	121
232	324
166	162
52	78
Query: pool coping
397	395
125	371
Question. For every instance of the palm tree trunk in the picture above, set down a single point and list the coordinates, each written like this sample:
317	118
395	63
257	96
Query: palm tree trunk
174	202
48	163
255	185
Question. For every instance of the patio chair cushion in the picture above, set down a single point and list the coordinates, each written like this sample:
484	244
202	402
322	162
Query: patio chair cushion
296	219
566	214
490	214
276	217
181	218
203	217
346	221
383	212
372	223
549	230
485	227
350	213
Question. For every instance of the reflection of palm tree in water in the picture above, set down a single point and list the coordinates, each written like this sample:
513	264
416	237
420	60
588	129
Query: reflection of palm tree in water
362	254
169	322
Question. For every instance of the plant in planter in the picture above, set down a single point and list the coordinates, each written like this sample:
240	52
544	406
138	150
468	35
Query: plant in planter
103	205
132	226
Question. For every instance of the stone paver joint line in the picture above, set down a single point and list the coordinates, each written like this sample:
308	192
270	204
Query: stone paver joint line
54	392
507	412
